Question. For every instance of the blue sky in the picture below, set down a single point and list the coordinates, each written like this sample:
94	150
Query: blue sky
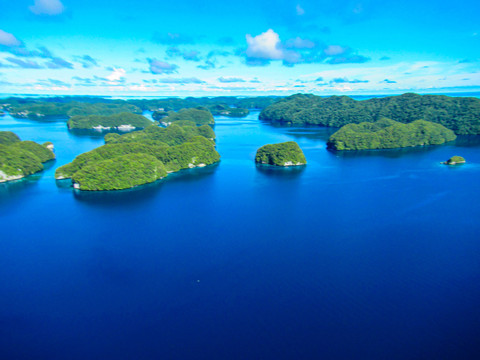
183	48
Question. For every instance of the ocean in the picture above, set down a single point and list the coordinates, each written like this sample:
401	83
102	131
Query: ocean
364	255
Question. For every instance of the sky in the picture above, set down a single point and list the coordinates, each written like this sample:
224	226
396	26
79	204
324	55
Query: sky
217	48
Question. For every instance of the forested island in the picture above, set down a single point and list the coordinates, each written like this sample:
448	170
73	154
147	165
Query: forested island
35	109
388	134
281	154
455	160
21	158
199	116
123	121
225	110
141	157
460	114
69	106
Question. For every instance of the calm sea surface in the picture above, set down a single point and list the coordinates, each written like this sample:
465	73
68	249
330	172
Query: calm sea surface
372	255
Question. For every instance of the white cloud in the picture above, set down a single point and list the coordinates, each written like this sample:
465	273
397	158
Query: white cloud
8	39
265	46
47	7
116	75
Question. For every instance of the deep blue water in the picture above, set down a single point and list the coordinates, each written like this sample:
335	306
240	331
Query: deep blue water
372	255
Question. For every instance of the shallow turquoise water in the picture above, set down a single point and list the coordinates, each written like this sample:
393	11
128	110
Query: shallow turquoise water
360	255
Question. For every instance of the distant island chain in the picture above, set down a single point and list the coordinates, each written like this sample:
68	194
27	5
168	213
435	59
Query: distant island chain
138	150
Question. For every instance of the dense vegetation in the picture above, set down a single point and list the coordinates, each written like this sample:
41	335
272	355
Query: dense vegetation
20	158
145	155
108	121
69	106
455	160
389	134
199	116
460	114
225	110
43	109
175	104
120	172
282	154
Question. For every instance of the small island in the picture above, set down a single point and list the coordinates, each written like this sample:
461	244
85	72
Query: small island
141	157
389	134
225	110
198	115
281	154
121	122
455	160
19	159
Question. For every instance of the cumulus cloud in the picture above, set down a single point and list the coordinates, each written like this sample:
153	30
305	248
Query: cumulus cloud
230	79
267	47
9	40
47	7
161	67
116	75
264	46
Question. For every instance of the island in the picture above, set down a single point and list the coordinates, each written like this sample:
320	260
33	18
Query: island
460	114
19	159
455	160
389	134
65	107
198	115
122	122
141	157
225	110
281	154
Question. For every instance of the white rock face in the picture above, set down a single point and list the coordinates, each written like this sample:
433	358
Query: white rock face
290	163
100	128
76	186
4	177
127	127
51	147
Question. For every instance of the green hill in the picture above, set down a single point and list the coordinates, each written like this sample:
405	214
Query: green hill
141	157
460	114
123	121
282	154
20	158
389	134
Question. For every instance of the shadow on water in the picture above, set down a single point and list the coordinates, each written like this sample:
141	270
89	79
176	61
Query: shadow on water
281	172
137	194
10	188
96	134
467	141
386	153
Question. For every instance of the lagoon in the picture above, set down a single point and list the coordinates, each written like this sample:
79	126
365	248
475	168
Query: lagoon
359	255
